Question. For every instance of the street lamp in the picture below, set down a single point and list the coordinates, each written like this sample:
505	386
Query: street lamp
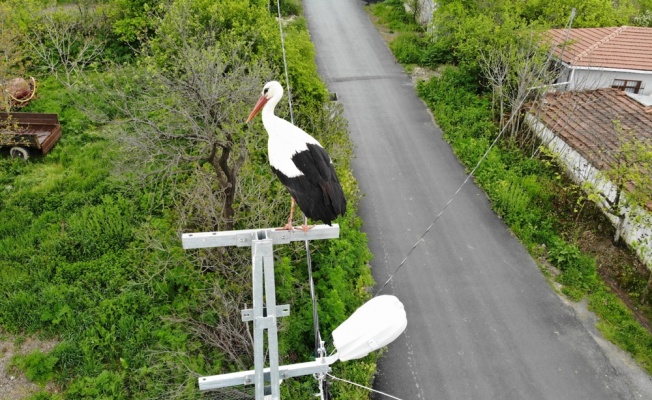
374	325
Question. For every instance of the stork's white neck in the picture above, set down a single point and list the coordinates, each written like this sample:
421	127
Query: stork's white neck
284	140
270	106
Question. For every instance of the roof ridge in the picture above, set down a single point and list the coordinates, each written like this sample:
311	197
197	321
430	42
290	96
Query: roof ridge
599	43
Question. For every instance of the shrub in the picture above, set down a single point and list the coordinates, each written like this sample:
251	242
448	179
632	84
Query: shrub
37	366
436	53
105	386
407	48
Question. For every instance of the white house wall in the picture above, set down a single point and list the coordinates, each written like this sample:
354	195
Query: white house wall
581	171
589	79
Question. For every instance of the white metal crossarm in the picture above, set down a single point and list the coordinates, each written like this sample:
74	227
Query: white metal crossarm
263	314
243	238
319	366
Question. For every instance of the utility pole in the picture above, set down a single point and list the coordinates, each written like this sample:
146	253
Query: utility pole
264	314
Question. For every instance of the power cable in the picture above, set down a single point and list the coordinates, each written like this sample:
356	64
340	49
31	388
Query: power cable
440	212
361	386
484	156
320	351
285	61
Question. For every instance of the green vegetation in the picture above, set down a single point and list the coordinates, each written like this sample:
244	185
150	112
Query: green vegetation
90	250
469	44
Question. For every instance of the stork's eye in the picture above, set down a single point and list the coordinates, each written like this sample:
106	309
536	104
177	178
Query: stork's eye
265	90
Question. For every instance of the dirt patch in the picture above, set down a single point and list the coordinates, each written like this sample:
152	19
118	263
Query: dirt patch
422	74
13	384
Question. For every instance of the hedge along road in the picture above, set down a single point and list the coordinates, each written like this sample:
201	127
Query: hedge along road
482	321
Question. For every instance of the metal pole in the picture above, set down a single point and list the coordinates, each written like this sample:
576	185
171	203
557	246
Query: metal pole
272	329
264	316
257	249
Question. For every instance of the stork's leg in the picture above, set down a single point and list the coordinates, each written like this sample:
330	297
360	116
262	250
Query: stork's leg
288	226
305	227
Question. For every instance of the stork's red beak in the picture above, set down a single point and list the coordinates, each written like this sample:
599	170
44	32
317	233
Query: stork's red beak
259	105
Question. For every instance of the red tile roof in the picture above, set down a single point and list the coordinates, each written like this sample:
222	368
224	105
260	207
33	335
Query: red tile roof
584	120
625	47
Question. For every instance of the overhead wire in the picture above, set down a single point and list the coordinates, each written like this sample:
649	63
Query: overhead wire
319	344
285	61
416	244
361	386
468	177
320	351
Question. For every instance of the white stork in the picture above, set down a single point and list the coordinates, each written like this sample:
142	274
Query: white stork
300	162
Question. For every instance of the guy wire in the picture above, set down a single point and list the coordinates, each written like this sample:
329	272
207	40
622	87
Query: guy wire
315	315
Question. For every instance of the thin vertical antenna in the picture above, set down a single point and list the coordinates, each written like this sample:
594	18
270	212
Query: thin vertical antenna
563	47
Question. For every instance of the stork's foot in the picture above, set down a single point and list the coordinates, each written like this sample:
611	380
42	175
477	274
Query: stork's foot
305	228
289	227
286	227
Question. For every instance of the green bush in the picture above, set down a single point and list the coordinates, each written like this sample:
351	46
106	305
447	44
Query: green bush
436	53
37	366
407	48
107	385
510	200
96	230
392	13
43	395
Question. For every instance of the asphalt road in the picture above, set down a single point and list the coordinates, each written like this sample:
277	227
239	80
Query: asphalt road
482	321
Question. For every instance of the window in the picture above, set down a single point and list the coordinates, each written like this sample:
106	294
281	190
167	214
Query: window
628	86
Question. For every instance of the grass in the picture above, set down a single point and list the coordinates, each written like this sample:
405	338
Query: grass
95	261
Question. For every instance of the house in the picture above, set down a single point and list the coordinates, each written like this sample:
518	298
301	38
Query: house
578	126
593	58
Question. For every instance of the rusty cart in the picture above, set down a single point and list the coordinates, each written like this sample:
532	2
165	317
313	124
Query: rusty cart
27	133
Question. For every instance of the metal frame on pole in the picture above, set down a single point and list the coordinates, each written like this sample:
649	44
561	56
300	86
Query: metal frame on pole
264	314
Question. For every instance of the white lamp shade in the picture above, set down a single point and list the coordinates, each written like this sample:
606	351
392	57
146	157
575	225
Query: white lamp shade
374	325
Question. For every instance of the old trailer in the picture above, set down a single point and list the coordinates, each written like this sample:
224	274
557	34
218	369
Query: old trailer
28	133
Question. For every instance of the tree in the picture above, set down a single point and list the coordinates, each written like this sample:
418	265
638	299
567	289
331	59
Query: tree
629	172
627	169
185	120
133	20
516	72
63	44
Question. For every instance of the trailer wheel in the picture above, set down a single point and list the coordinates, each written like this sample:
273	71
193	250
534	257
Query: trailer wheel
19	152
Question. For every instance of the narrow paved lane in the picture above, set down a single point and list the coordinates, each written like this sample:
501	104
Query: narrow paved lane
483	323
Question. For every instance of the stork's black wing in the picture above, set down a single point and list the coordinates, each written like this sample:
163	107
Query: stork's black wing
318	191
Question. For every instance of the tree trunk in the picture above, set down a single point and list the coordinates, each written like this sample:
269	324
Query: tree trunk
619	228
227	181
616	207
227	177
